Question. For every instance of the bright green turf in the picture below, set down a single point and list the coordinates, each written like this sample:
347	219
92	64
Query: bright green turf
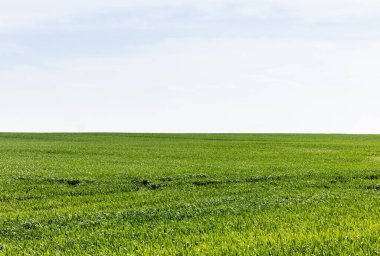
103	194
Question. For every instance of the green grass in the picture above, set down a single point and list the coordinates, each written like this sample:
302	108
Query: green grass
180	194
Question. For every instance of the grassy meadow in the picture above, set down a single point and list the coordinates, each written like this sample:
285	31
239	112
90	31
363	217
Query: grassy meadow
189	194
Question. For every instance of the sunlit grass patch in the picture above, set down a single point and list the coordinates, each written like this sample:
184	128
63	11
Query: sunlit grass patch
189	194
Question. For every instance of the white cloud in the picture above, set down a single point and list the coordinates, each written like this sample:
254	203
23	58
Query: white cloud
202	86
42	13
332	10
192	85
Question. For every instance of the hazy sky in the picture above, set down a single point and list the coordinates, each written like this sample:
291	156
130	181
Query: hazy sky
190	65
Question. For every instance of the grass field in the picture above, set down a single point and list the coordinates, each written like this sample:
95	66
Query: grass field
179	194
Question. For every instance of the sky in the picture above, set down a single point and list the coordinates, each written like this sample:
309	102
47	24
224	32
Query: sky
256	66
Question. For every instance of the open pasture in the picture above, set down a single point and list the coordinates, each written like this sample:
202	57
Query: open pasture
178	194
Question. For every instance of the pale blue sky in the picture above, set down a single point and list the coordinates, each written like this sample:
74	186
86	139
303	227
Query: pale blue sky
190	66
